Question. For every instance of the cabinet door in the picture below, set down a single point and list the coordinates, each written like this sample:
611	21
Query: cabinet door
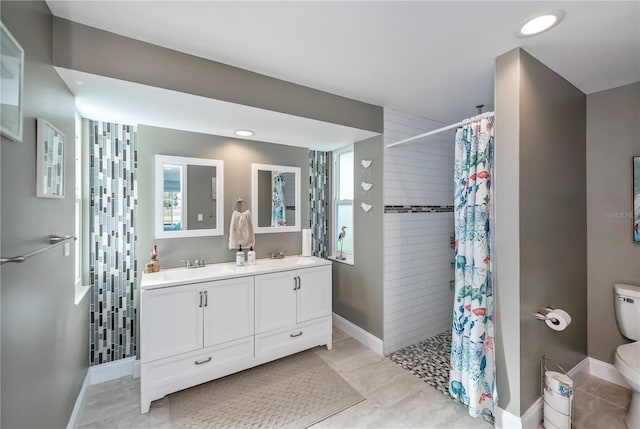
170	321
275	301
314	294
228	310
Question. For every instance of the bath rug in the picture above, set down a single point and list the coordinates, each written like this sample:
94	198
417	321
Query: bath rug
293	392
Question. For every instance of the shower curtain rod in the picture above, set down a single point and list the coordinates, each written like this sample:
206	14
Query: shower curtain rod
439	130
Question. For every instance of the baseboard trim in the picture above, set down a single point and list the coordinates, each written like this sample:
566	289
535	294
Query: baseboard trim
136	368
505	420
112	370
580	372
359	334
606	371
75	414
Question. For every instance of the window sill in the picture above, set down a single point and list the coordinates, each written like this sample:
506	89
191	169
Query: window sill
81	291
348	261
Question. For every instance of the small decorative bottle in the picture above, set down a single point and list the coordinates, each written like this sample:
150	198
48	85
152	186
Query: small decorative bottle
240	257
251	256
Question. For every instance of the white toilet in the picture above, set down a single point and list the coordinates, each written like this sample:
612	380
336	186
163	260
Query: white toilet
627	359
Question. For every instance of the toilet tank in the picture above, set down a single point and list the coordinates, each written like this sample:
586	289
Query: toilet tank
627	307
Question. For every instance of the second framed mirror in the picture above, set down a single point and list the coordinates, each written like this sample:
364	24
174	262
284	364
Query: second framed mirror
275	198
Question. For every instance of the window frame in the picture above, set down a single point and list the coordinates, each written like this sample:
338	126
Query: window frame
335	250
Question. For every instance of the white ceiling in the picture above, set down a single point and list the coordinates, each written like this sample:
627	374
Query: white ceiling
434	59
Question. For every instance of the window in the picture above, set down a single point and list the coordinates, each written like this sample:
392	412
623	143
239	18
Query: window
343	203
80	290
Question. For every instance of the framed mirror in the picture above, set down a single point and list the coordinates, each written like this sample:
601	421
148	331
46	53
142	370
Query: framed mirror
275	198
50	161
189	197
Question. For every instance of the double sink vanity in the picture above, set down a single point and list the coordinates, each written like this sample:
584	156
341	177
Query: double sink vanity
200	324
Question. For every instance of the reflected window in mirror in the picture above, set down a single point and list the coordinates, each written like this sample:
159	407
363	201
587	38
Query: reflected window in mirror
189	195
275	198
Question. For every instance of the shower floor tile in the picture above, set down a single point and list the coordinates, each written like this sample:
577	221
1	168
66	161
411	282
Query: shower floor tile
428	360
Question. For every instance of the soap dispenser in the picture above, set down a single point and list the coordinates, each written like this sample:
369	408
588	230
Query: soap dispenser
251	256
240	257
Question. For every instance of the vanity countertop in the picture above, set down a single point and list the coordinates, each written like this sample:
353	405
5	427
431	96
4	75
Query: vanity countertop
227	270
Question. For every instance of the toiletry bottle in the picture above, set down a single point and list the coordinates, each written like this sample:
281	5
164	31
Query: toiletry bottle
251	256
240	257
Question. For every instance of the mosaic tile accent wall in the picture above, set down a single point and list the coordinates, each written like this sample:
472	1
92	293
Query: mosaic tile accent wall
113	259
318	201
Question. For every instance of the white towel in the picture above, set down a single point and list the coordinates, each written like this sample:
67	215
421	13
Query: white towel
241	230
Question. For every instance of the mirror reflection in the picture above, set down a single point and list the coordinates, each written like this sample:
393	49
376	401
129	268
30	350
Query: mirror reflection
189	197
276	198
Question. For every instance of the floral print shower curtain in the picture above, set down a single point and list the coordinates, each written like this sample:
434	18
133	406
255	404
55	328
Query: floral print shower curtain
472	375
278	209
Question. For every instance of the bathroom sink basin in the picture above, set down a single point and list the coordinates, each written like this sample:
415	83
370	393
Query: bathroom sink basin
225	270
186	275
290	261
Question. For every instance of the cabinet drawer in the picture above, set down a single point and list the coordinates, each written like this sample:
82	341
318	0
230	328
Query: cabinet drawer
207	364
275	344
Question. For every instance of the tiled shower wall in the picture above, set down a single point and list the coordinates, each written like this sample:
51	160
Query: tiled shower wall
418	226
318	201
112	261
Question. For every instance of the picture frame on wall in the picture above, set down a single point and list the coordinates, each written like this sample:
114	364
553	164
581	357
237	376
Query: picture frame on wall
50	161
12	78
636	199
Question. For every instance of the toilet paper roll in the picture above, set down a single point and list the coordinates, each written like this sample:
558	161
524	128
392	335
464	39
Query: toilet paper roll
306	242
558	319
556	418
557	402
558	383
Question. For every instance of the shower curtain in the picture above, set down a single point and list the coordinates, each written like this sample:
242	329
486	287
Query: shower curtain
278	213
472	375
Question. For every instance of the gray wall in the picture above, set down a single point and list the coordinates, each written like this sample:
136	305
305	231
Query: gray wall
357	289
613	137
507	230
88	49
550	172
237	156
45	336
199	199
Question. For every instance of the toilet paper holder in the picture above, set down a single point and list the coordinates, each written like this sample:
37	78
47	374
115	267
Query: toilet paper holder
542	314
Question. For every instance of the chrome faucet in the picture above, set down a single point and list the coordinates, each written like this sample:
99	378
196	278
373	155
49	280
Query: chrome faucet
197	263
279	255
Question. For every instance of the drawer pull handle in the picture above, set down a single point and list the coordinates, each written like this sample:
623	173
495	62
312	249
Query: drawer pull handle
296	335
206	299
200	300
200	362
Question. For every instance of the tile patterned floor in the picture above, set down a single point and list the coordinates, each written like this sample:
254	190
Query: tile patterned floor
600	404
394	398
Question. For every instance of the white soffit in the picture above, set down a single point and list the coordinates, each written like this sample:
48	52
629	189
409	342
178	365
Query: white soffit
107	99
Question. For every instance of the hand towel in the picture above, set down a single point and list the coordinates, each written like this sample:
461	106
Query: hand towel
241	230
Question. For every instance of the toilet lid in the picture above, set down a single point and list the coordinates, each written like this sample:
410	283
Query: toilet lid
630	354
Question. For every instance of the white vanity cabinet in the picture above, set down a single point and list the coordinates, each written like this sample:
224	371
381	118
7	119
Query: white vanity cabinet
193	333
201	324
293	311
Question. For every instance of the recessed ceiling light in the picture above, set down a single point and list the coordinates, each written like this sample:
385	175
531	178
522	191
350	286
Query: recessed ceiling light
244	133
539	23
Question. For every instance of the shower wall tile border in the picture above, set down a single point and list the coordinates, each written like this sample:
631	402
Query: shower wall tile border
418	209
